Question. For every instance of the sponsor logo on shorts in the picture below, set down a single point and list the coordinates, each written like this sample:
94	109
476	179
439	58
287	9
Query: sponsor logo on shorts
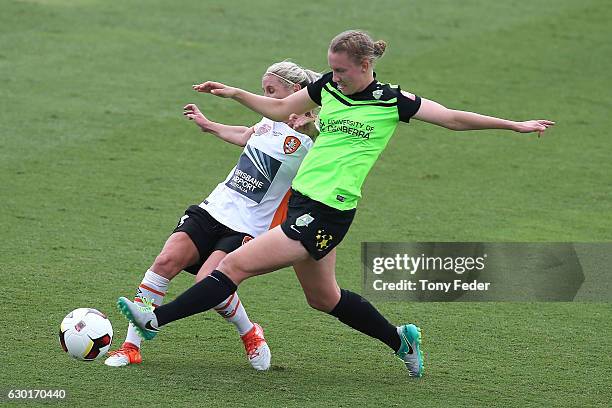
323	240
302	221
291	144
409	95
246	239
182	220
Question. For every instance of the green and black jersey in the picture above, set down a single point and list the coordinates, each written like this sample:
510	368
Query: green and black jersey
354	130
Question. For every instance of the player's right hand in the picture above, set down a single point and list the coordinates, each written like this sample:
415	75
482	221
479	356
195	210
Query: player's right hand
215	88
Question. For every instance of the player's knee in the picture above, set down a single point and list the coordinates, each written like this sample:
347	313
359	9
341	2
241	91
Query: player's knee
166	265
231	267
321	303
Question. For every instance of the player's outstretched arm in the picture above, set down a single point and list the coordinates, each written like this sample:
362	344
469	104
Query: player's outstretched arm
437	114
238	135
275	109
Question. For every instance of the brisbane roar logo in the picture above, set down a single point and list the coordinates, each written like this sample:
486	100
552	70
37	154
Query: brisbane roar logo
291	144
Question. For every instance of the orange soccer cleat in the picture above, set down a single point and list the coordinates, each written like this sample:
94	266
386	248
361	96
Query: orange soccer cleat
257	349
127	354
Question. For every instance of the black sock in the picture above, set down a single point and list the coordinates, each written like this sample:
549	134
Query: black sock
358	313
204	295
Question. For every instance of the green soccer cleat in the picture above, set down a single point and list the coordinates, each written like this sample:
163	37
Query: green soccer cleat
141	316
410	350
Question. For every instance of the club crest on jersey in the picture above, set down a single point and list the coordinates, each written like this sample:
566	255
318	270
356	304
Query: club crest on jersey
377	94
291	144
246	239
265	128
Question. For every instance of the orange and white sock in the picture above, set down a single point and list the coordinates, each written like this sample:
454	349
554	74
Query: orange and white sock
232	311
153	287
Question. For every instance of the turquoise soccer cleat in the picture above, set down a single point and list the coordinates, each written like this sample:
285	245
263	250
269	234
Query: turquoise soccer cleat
410	350
141	316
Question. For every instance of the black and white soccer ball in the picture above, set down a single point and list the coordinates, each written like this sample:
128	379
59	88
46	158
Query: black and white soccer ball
86	334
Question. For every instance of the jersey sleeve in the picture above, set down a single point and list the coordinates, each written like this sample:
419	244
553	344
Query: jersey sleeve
407	107
314	88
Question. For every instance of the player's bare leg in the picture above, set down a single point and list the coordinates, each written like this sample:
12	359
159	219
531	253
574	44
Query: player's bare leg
178	252
269	252
318	280
210	264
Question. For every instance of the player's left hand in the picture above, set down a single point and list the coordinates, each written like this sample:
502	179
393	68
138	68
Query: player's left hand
304	124
540	126
299	121
192	112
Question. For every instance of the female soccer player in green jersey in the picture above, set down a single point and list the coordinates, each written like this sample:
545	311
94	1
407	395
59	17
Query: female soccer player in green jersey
357	118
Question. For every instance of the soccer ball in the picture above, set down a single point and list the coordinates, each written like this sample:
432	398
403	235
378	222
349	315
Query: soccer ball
86	334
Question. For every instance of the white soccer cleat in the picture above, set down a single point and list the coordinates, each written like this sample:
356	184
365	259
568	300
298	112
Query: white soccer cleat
257	349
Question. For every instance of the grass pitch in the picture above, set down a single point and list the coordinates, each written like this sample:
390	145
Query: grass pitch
97	164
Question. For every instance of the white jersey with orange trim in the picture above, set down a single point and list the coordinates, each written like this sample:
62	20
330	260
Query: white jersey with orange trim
252	192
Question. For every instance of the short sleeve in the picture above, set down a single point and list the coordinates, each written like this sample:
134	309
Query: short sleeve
407	107
314	88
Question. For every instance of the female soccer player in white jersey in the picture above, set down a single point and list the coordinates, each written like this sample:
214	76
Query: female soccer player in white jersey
358	116
247	203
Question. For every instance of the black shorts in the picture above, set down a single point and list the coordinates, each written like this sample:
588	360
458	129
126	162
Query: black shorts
208	235
319	227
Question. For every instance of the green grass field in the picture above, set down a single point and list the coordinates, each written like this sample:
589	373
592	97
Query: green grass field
97	164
